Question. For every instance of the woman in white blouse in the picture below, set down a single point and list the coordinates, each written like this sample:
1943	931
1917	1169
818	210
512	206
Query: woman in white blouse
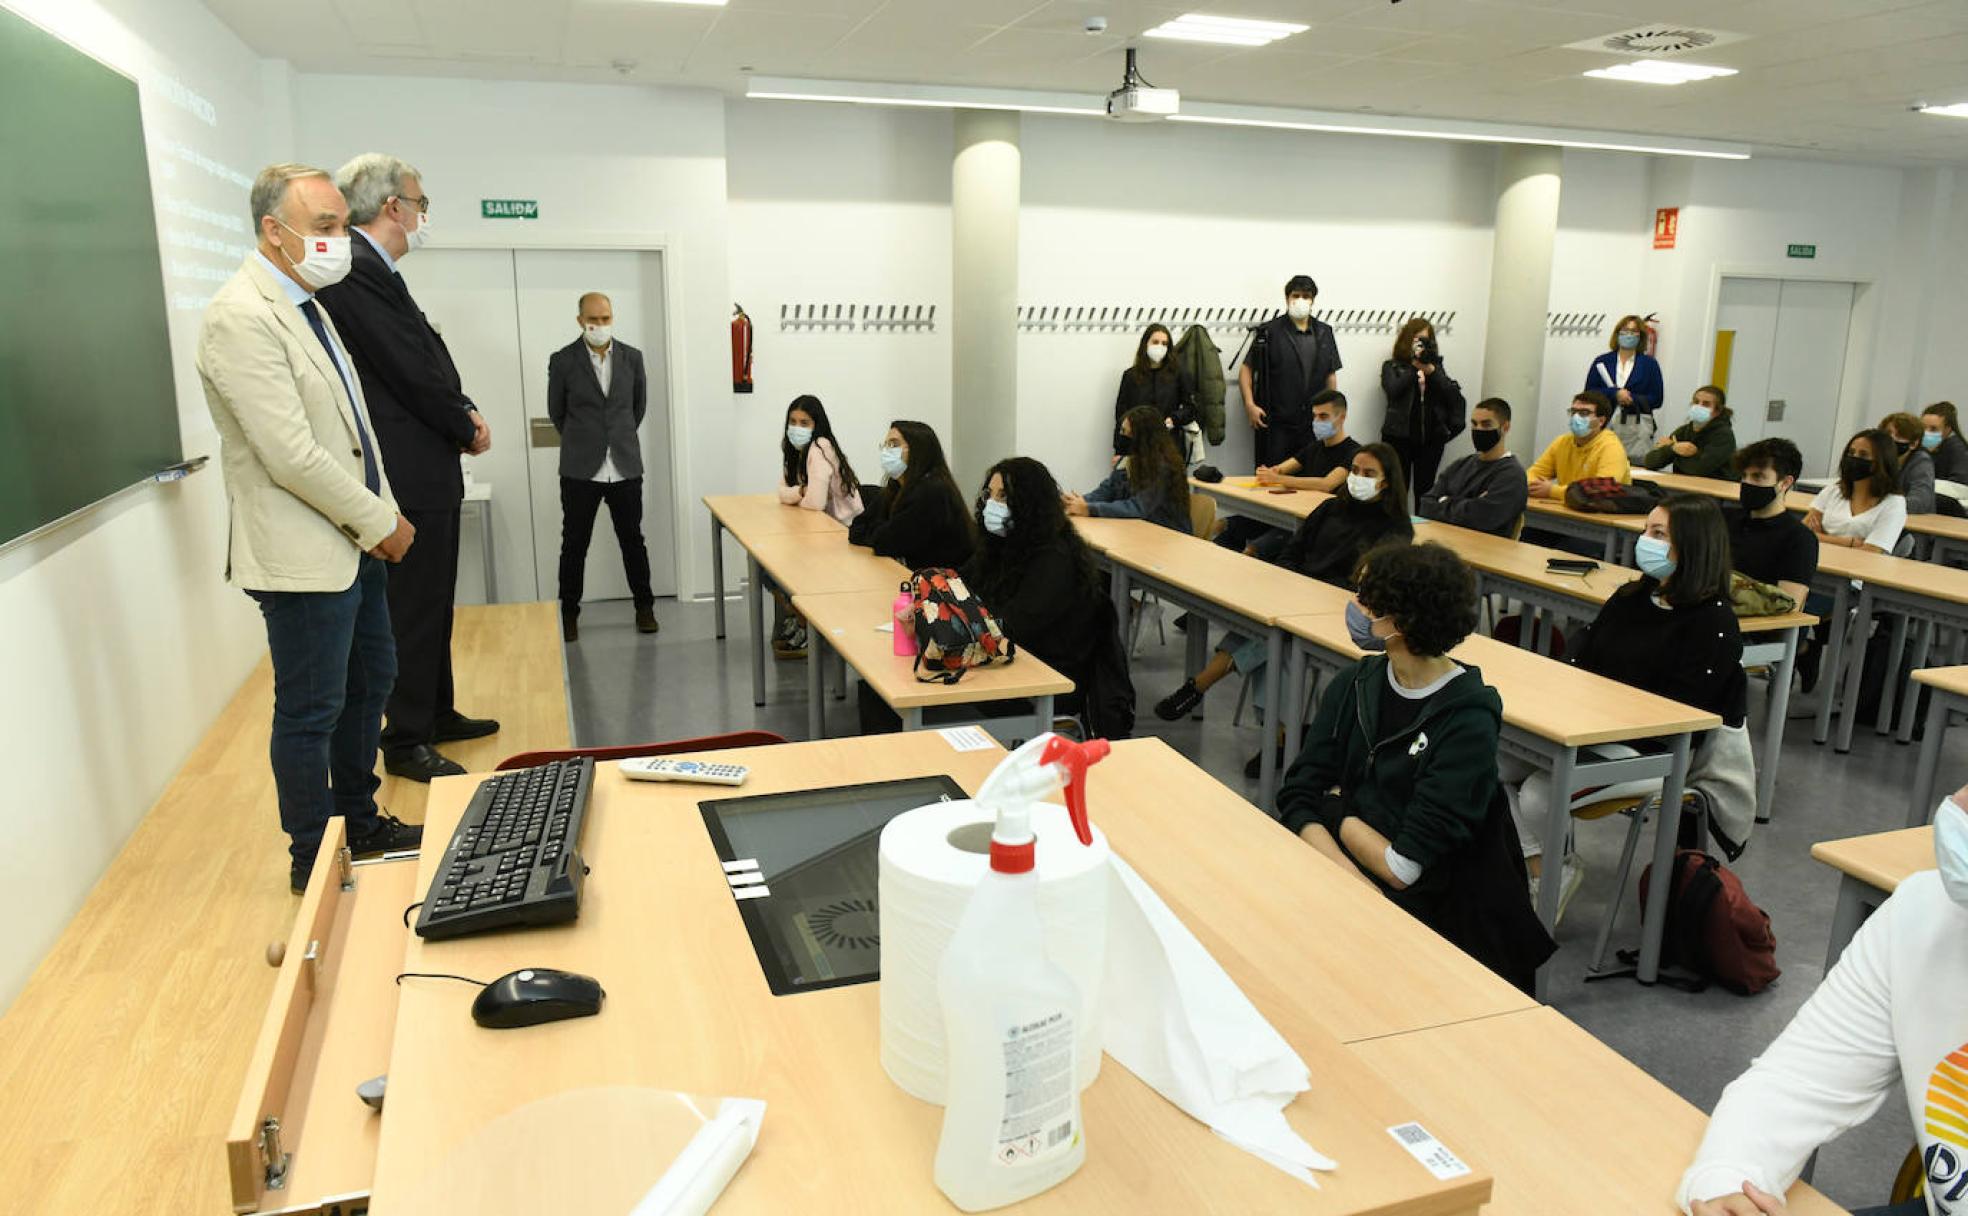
1863	509
1891	1016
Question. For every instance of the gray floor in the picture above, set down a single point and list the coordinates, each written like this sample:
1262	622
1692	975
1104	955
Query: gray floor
629	688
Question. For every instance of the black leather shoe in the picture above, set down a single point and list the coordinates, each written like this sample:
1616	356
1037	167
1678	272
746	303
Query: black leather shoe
420	763
297	878
570	630
458	727
646	621
1180	703
389	835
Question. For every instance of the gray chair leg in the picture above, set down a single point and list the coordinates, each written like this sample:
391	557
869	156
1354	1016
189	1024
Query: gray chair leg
1243	695
1638	818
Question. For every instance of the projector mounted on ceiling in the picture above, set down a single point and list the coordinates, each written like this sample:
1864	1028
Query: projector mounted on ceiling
1138	101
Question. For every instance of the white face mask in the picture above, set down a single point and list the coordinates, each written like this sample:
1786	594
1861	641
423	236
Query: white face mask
1951	849
1362	489
599	336
799	436
324	259
416	237
1298	309
1157	351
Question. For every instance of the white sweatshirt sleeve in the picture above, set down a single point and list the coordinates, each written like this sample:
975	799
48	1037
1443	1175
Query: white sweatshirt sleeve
1828	1071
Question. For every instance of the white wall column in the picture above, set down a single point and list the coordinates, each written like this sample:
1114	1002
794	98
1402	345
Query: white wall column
1528	181
984	194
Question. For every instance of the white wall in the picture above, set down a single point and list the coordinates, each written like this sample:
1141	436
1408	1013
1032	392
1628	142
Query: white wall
605	163
119	638
846	205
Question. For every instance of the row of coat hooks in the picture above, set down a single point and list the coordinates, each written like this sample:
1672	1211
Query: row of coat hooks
1063	317
1565	324
857	316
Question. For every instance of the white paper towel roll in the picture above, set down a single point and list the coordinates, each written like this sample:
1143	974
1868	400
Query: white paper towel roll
932	858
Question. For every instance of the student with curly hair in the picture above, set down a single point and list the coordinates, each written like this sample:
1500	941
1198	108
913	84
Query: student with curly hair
1150	483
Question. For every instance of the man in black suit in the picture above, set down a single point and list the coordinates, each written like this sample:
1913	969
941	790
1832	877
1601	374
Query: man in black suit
423	420
597	394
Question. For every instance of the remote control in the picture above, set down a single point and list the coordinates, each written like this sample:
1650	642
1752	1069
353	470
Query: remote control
662	768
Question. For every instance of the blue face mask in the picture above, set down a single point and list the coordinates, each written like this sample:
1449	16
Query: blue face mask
1581	425
1653	556
1629	341
1699	415
997	517
1359	627
1323	430
799	436
894	462
1930	440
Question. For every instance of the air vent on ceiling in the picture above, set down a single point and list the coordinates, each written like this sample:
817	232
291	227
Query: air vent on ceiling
1657	41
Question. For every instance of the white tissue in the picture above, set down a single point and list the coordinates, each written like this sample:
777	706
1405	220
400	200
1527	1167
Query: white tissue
926	882
1175	1018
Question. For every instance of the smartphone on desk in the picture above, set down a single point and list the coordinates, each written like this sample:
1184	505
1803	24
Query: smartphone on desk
1281	490
1570	565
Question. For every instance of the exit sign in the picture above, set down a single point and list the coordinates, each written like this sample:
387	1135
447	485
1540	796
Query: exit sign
1803	251
519	209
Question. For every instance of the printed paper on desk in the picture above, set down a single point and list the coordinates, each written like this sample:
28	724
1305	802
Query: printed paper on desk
967	738
1173	1017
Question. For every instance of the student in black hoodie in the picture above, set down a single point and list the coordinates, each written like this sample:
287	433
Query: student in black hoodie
1370	508
1397	782
919	518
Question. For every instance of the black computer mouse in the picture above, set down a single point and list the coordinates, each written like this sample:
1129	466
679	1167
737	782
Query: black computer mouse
534	995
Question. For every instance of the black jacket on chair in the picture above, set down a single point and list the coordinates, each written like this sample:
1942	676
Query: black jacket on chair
593	426
422	417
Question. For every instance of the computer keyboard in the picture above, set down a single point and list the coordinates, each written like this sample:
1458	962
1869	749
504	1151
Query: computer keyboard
515	856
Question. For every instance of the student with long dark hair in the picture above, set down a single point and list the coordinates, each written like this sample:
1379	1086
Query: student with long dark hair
1864	508
919	518
1151	483
814	474
1671	633
1154	379
1370	509
1425	406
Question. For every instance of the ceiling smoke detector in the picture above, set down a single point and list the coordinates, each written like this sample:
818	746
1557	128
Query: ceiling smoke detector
1657	41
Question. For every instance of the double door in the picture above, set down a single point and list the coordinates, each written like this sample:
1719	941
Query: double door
1781	347
503	312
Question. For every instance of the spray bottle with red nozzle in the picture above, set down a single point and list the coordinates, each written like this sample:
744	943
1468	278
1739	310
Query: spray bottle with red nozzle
1011	1116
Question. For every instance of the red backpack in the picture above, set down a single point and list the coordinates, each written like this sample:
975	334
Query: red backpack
1713	928
954	630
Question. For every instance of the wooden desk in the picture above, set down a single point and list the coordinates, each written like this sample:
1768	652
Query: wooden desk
809	563
1934	596
1550	711
1243	496
1948	533
746	515
1948	694
1609	1139
1870	868
1215	584
1613	533
688	1009
845	623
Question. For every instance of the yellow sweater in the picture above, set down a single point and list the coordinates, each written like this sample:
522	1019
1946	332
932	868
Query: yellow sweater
1566	461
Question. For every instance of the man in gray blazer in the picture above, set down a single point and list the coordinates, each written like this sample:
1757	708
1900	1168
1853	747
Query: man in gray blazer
311	515
597	394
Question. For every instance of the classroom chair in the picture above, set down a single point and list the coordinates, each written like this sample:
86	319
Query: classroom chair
707	743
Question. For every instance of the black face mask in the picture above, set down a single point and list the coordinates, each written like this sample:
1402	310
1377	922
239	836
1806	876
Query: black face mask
1855	468
1756	498
1485	440
1903	445
1124	445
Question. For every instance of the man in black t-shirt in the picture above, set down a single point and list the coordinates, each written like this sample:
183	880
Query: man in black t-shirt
1768	542
1320	465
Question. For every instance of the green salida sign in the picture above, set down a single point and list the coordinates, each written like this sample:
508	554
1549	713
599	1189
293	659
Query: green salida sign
509	208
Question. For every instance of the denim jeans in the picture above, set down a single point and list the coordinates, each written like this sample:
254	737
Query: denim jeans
334	662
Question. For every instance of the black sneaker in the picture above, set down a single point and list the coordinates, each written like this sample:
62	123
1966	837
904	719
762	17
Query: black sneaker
1182	623
388	835
1180	703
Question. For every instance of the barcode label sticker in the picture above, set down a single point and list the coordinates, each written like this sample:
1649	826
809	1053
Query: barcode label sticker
1432	1153
967	738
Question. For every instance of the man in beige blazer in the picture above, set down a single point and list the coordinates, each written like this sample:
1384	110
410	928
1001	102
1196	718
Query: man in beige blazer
310	513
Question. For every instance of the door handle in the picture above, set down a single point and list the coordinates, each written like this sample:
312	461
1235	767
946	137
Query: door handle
543	433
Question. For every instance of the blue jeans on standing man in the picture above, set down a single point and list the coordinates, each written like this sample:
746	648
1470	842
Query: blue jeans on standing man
334	663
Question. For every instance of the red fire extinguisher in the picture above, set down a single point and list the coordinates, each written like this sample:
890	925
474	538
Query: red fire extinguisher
741	350
1652	322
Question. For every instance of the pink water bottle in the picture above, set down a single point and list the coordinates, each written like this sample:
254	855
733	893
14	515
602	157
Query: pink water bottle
903	615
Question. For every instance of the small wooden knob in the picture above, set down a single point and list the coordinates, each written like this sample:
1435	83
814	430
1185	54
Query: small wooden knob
276	954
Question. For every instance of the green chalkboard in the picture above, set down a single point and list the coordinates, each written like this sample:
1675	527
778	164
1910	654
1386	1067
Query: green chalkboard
87	404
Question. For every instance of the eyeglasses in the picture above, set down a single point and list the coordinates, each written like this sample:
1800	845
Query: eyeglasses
423	205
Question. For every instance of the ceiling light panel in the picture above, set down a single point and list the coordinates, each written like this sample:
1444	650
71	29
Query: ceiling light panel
1958	110
1225	31
1654	71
